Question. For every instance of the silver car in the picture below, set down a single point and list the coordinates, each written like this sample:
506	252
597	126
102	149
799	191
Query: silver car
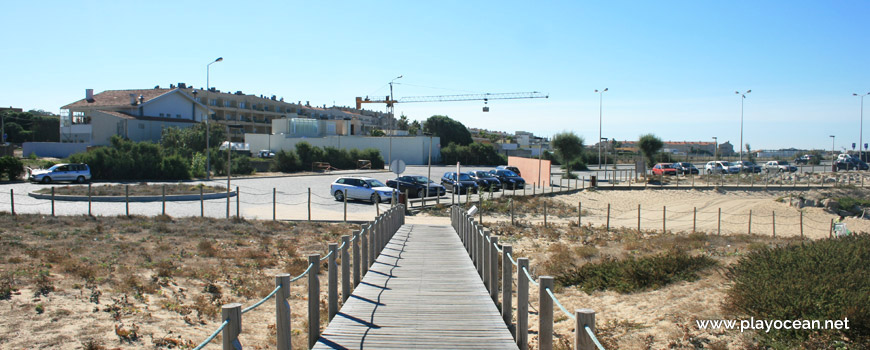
78	173
361	188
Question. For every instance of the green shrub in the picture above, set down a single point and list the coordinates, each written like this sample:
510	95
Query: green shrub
197	165
475	153
847	203
286	162
175	167
635	274
10	167
821	280
241	164
128	160
306	155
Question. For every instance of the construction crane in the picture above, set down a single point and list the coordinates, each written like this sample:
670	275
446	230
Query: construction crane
486	97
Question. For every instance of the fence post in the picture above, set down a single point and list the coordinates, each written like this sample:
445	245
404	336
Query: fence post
522	305
282	311
89	201
12	199
373	236
163	198
545	214
545	312
638	218
579	214
480	206
201	203
332	281
831	231
608	217
481	255
719	223
694	219
493	269
52	201
126	198
345	269
356	259
512	210
313	300
345	204
364	246
664	219
585	318
750	222
232	313
309	204
507	270
274	203
238	194
802	224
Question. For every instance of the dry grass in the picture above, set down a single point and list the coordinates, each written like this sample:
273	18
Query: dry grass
146	282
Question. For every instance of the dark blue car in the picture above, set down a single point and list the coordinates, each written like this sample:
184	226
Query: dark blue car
509	179
464	184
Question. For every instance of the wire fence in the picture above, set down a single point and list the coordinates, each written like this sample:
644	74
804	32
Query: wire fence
484	250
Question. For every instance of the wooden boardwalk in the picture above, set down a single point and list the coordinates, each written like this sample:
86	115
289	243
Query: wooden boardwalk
423	292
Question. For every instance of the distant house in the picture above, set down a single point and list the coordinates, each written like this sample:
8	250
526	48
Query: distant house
139	115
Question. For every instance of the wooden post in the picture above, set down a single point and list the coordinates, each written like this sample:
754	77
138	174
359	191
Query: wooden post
274	203
512	210
356	259
232	313
89	201
52	201
579	214
638	218
201	203
493	269
545	214
313	300
373	239
309	204
345	207
364	246
282	311
345	268
482	256
750	222
545	312
719	223
12	199
694	219
522	335
127	198
507	270
774	223
237	202
534	189
163	196
664	219
480	206
831	231
584	318
332	281
802	224
608	217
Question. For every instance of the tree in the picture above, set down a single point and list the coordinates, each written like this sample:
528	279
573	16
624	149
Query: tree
449	130
414	129
568	146
403	123
649	144
749	153
377	132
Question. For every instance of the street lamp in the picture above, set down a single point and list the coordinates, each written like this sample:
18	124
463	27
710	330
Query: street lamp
429	169
715	147
392	109
861	130
742	97
833	157
207	117
600	141
600	103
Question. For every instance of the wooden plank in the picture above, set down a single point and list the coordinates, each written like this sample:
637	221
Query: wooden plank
423	292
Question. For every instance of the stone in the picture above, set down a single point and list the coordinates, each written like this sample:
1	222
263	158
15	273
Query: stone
809	202
831	205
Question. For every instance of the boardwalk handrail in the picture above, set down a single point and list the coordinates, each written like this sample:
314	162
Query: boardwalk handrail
484	249
372	237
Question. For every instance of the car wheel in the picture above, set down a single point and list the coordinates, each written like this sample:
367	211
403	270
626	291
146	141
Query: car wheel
339	196
80	180
375	198
46	180
421	193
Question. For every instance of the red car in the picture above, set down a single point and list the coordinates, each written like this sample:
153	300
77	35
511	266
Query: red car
664	169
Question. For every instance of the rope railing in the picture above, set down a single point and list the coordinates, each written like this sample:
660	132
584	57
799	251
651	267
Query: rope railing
556	300
593	337
249	308
212	336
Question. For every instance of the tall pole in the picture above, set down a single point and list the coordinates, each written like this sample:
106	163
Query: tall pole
600	110
429	169
207	117
742	98
715	147
229	167
861	130
833	156
392	110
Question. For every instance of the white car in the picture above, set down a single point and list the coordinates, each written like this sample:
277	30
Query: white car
266	154
364	188
779	166
720	167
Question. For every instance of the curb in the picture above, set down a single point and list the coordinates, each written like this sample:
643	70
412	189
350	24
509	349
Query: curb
172	198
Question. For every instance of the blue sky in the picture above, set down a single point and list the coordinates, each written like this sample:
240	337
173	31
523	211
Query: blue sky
672	67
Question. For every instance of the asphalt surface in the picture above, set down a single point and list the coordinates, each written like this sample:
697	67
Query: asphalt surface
255	200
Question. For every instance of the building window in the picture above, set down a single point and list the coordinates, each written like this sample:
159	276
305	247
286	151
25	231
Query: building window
243	105
212	102
227	103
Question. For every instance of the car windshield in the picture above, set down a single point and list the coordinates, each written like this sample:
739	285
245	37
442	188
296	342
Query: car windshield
420	179
464	177
480	174
507	173
725	163
782	162
667	166
53	168
375	183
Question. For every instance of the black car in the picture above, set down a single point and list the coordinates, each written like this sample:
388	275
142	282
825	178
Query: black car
485	180
851	164
509	179
511	168
686	168
464	185
416	186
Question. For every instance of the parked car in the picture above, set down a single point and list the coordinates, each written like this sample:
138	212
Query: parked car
804	159
463	185
508	179
264	153
416	185
686	168
664	169
779	166
851	163
746	166
78	173
511	168
485	180
720	167
364	188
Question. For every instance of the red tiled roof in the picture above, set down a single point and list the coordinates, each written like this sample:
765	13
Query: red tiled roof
161	119
118	98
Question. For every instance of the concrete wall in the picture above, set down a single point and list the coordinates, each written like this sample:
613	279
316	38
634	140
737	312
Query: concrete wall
53	149
412	150
104	126
532	169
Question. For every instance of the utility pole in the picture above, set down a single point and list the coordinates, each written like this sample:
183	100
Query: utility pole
600	110
742	98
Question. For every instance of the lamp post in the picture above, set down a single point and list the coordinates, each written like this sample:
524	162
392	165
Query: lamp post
392	109
715	147
833	157
861	130
207	117
742	98
600	109
429	168
600	141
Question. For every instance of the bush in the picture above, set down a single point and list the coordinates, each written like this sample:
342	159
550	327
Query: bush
197	165
475	153
306	154
286	162
241	164
128	160
635	274
11	168
821	280
175	167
